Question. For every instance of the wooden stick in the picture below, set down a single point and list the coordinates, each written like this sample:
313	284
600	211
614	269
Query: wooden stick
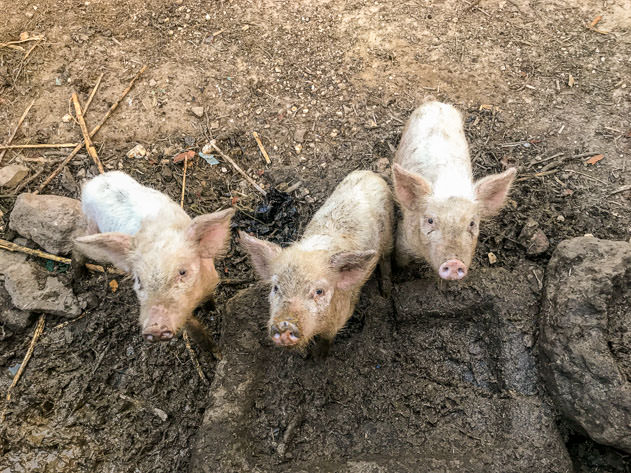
191	353
239	170
263	152
34	38
17	127
10	246
621	189
184	181
92	94
40	146
30	51
86	135
92	133
587	176
38	331
68	322
25	183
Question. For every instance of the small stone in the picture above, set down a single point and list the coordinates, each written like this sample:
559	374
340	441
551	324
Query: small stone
299	134
533	238
492	257
51	221
152	83
67	118
560	218
137	151
298	148
198	111
12	175
224	170
383	164
208	149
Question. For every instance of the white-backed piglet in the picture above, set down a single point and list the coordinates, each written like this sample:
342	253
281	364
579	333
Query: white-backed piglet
170	255
441	205
315	282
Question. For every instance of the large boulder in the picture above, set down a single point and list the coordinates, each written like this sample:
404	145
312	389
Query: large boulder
33	289
586	335
51	221
446	382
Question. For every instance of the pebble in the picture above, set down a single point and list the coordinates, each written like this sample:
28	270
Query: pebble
492	258
137	151
198	111
533	238
12	175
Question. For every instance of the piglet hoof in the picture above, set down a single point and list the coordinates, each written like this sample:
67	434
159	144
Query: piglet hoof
157	334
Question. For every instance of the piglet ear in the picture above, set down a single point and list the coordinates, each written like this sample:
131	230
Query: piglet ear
261	252
210	232
352	267
491	191
111	248
410	188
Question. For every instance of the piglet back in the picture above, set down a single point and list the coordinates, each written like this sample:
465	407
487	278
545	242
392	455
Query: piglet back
115	202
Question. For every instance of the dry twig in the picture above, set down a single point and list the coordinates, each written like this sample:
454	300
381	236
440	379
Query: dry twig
86	135
184	181
10	246
40	146
191	353
19	41
38	331
621	189
25	183
15	130
263	152
237	168
94	131
92	94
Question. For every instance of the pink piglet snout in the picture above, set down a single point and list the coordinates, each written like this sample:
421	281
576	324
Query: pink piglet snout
284	333
452	269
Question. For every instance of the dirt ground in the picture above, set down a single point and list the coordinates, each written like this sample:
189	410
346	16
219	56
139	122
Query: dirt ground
328	86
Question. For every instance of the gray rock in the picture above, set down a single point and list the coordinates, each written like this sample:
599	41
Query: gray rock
51	221
33	289
14	319
450	385
12	175
585	337
198	111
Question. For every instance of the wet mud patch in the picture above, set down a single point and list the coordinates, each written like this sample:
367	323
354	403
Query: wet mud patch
99	398
448	383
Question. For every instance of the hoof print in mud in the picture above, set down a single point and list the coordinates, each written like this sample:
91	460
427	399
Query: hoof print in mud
584	342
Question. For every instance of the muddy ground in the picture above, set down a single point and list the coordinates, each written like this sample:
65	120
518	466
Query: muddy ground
328	86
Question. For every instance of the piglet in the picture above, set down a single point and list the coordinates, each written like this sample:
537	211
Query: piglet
316	281
170	255
441	206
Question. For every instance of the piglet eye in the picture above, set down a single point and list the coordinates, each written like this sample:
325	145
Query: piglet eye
472	224
430	220
319	292
275	288
182	272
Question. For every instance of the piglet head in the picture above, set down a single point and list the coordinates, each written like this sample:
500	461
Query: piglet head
305	286
173	269
445	231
